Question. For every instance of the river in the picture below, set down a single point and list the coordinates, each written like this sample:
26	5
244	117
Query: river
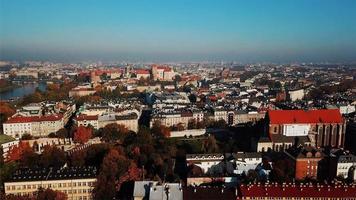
19	92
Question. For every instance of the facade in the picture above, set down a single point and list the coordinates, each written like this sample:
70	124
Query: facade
155	191
246	161
245	117
295	95
188	133
320	128
33	109
142	74
162	73
129	120
294	191
35	126
346	167
306	161
177	117
272	191
204	161
77	182
86	120
233	117
7	144
80	92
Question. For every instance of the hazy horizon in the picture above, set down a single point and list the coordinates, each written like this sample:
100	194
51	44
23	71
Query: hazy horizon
159	31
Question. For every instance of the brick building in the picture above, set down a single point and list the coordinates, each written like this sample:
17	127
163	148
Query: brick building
306	161
319	128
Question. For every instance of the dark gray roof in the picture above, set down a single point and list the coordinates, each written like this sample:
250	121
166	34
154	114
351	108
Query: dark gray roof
347	159
53	174
278	138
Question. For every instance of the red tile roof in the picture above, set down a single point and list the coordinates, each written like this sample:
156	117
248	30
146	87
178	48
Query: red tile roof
86	117
272	190
99	72
142	71
303	117
165	68
21	119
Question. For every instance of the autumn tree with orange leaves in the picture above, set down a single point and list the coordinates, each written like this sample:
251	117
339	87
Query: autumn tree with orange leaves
115	170
6	111
114	132
41	194
82	134
160	131
16	152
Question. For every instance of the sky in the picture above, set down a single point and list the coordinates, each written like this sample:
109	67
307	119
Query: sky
179	30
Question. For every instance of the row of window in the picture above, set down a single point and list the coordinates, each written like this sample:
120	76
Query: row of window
83	197
293	198
54	185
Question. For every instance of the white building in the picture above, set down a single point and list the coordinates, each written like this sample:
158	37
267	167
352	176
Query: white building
77	183
346	167
347	109
154	191
296	94
188	133
7	143
204	161
128	119
36	126
246	161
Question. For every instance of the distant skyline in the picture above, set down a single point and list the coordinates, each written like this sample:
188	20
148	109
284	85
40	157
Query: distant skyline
182	30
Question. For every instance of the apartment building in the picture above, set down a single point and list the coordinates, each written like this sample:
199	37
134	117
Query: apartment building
306	162
76	182
38	126
129	120
204	161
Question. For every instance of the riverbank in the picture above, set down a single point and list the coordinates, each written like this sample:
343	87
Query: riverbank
9	88
21	90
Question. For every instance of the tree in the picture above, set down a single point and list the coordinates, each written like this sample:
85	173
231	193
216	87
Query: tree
6	111
160	131
77	158
192	98
62	133
105	187
180	127
192	124
6	171
95	154
48	194
52	157
113	132
115	170
82	134
251	176
26	136
177	78
210	145
195	171
16	152
29	158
